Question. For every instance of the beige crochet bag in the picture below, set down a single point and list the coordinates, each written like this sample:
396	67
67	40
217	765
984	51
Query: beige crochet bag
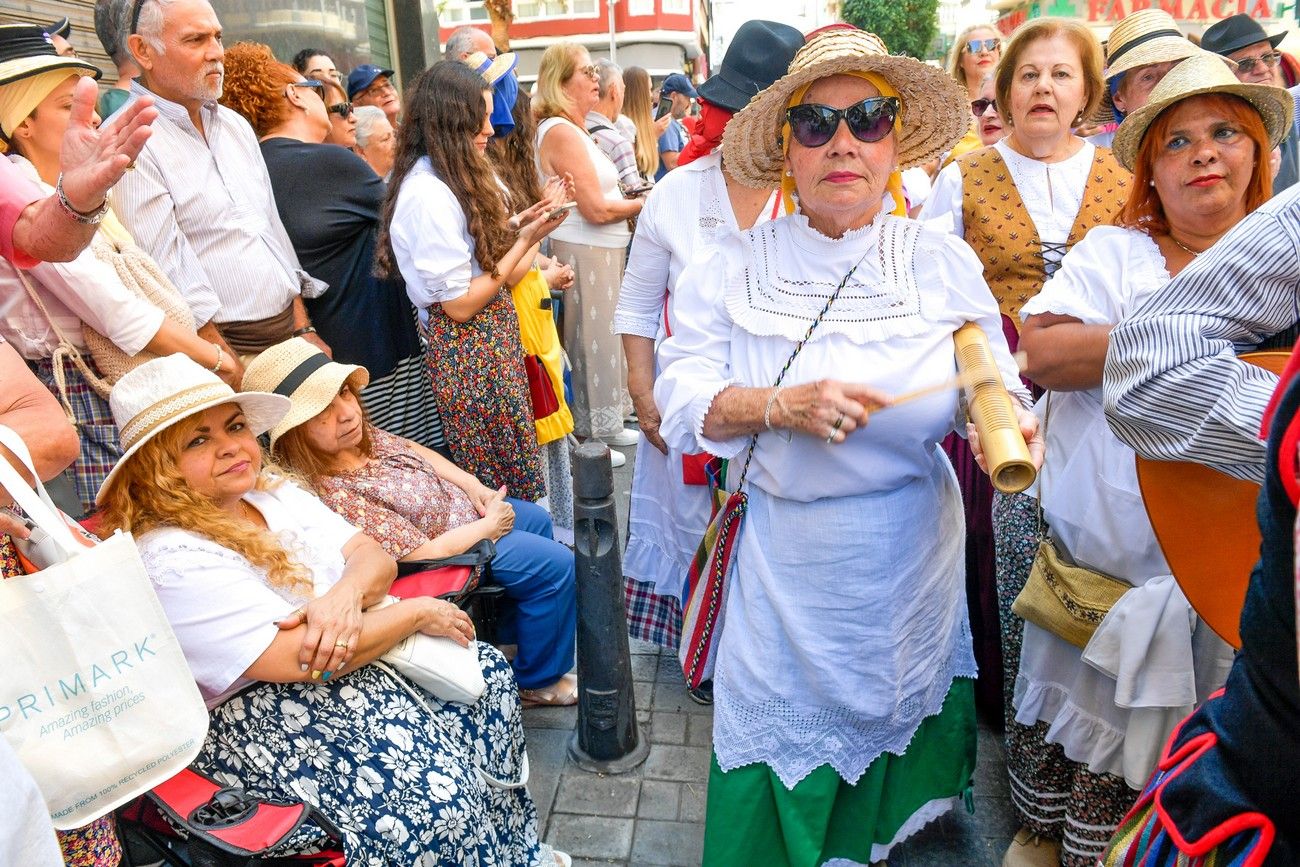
140	274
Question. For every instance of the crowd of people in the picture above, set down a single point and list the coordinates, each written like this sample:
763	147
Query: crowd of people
291	327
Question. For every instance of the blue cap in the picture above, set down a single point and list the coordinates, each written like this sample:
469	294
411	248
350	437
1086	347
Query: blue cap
364	76
677	83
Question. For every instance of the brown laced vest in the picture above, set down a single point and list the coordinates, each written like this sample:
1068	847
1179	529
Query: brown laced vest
999	229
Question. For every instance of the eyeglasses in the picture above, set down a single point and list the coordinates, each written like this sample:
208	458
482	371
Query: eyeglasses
342	109
589	70
870	120
976	46
380	87
981	105
1246	64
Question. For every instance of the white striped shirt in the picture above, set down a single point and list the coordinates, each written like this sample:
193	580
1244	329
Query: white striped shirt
1174	387
204	210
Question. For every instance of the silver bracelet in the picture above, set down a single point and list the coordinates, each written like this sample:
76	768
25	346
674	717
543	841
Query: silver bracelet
216	368
767	410
86	219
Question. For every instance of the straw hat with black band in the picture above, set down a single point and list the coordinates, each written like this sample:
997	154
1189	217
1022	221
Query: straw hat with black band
1206	73
1141	39
935	112
29	69
298	371
163	391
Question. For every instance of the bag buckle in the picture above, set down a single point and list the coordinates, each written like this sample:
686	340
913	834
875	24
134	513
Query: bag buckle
226	807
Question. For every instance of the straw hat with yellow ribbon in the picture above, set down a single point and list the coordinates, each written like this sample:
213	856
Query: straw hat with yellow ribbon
1203	74
29	69
1140	39
299	371
935	112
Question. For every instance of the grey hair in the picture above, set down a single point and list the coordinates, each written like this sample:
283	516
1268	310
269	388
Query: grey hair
461	41
111	28
608	72
150	26
366	115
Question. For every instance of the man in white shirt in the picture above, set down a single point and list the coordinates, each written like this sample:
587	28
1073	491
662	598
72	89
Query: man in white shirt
200	200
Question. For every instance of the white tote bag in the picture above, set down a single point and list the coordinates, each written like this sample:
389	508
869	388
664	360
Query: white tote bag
96	698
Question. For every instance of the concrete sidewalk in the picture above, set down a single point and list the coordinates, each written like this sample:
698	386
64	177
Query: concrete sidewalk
654	815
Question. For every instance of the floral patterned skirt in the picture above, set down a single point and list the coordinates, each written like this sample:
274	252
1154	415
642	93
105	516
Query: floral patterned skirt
482	394
403	780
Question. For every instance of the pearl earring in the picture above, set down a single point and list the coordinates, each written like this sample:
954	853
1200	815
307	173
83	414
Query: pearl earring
1151	183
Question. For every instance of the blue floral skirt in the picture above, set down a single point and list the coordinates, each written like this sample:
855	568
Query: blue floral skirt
404	781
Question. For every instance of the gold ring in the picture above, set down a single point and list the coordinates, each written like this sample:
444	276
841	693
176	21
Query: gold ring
342	644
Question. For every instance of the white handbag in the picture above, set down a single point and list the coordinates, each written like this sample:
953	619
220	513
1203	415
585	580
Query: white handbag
438	665
96	699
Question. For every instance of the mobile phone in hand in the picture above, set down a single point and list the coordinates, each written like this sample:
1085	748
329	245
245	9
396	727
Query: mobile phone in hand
665	106
555	214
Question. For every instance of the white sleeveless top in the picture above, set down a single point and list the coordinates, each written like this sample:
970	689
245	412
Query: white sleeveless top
576	230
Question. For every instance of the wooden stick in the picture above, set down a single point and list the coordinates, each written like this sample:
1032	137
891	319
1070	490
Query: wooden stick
957	382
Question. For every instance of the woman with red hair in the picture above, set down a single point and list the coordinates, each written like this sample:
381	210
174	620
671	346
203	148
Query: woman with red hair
1090	722
329	200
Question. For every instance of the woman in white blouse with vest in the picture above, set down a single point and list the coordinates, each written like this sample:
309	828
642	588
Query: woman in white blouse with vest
593	241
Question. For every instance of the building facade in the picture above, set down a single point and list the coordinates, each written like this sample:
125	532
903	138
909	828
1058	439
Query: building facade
662	36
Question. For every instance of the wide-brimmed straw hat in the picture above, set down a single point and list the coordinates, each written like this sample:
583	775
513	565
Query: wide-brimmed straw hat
163	391
1140	39
935	115
492	68
1205	73
302	373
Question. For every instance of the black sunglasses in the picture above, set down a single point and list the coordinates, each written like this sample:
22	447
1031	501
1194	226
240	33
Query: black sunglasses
342	109
975	46
307	82
870	120
981	105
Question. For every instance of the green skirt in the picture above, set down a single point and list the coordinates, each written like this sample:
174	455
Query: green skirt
754	819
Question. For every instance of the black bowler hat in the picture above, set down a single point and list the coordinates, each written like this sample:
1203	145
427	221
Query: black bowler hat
26	50
759	54
62	27
1226	36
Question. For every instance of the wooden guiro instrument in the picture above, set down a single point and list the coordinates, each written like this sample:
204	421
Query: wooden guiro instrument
992	411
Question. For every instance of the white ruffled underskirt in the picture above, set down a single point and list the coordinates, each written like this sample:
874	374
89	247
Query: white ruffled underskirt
913	826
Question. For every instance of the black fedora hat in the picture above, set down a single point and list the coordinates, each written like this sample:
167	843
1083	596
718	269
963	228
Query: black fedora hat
1235	32
759	54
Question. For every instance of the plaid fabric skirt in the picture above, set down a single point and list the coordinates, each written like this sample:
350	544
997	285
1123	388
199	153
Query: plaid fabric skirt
100	446
651	617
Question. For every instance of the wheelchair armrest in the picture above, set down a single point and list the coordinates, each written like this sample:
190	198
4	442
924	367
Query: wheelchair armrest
479	555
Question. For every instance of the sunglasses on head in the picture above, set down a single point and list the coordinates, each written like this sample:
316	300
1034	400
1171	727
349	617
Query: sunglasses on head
307	82
1246	64
870	120
975	46
981	105
342	109
136	6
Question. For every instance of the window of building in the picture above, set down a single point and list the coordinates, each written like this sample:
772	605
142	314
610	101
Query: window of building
457	12
351	32
677	7
640	7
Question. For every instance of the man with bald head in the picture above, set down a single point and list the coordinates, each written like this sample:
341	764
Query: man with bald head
200	200
465	40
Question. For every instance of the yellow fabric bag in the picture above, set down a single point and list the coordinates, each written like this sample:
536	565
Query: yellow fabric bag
532	298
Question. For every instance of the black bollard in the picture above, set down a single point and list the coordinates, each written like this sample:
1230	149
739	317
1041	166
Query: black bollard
608	739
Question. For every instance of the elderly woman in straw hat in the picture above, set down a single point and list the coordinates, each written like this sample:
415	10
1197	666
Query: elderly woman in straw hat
420	506
843	716
56	314
1089	724
1141	50
270	594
